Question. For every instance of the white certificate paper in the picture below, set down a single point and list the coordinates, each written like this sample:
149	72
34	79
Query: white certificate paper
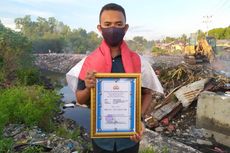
115	105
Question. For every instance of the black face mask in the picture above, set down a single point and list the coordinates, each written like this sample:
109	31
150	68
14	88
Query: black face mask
113	36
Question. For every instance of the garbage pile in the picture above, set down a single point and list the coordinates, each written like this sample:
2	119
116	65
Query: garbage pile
174	114
34	139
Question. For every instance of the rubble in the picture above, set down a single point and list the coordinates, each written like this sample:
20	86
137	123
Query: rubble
175	115
159	143
33	137
60	63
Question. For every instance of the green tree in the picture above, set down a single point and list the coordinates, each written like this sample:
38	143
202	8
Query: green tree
169	39
51	34
200	34
227	33
183	38
26	26
220	33
138	44
15	51
93	41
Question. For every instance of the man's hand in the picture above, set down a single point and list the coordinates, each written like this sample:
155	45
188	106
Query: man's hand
137	137
84	95
90	80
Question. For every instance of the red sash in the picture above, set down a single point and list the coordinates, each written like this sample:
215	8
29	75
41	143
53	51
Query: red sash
100	60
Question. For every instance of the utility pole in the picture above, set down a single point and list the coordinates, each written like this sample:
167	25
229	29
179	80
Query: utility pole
207	20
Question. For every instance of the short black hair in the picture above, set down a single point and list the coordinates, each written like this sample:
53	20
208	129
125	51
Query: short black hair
114	7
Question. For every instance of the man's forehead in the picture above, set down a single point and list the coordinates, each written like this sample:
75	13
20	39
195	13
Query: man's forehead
112	16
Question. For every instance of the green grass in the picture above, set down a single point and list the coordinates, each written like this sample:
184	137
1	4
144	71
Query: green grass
32	150
6	145
62	131
152	150
147	150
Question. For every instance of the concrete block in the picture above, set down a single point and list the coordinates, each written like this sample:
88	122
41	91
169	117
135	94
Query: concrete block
213	114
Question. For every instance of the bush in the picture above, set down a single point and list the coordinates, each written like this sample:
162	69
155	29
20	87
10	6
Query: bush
6	145
29	76
31	105
2	75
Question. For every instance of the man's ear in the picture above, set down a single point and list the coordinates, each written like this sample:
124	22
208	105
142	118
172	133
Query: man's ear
99	28
126	27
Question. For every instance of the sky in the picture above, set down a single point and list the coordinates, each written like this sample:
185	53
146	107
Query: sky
152	19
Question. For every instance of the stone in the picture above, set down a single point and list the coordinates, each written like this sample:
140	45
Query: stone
165	121
187	130
159	142
199	133
159	129
185	134
171	128
204	142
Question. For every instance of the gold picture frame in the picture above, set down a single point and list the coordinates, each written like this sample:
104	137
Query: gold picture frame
106	97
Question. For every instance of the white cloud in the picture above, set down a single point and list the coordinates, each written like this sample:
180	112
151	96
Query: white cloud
21	11
36	13
46	1
8	22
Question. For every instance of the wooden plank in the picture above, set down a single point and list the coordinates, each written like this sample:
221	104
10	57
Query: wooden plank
164	110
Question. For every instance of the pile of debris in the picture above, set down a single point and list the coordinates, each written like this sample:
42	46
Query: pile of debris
34	138
175	114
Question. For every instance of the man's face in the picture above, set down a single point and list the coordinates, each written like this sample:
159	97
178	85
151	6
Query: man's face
111	18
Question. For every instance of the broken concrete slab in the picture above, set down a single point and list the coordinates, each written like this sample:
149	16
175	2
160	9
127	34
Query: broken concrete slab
159	142
213	114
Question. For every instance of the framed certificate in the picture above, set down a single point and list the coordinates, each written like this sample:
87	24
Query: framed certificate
116	105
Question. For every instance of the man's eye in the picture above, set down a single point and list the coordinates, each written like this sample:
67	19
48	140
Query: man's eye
106	24
119	25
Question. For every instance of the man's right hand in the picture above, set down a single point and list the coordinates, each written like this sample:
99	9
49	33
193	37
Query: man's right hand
90	79
90	82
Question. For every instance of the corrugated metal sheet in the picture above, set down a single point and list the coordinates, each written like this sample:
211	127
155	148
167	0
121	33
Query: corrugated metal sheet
188	93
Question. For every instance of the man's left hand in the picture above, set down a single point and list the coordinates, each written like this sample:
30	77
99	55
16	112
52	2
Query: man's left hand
137	137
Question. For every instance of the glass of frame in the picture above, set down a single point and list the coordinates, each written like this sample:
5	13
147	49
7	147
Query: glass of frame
116	105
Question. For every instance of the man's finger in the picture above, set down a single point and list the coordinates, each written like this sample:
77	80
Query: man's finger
91	72
134	138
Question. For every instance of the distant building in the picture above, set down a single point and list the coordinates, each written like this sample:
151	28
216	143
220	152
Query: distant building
224	42
172	46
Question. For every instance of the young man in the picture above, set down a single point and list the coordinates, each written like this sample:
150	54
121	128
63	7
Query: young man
113	56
